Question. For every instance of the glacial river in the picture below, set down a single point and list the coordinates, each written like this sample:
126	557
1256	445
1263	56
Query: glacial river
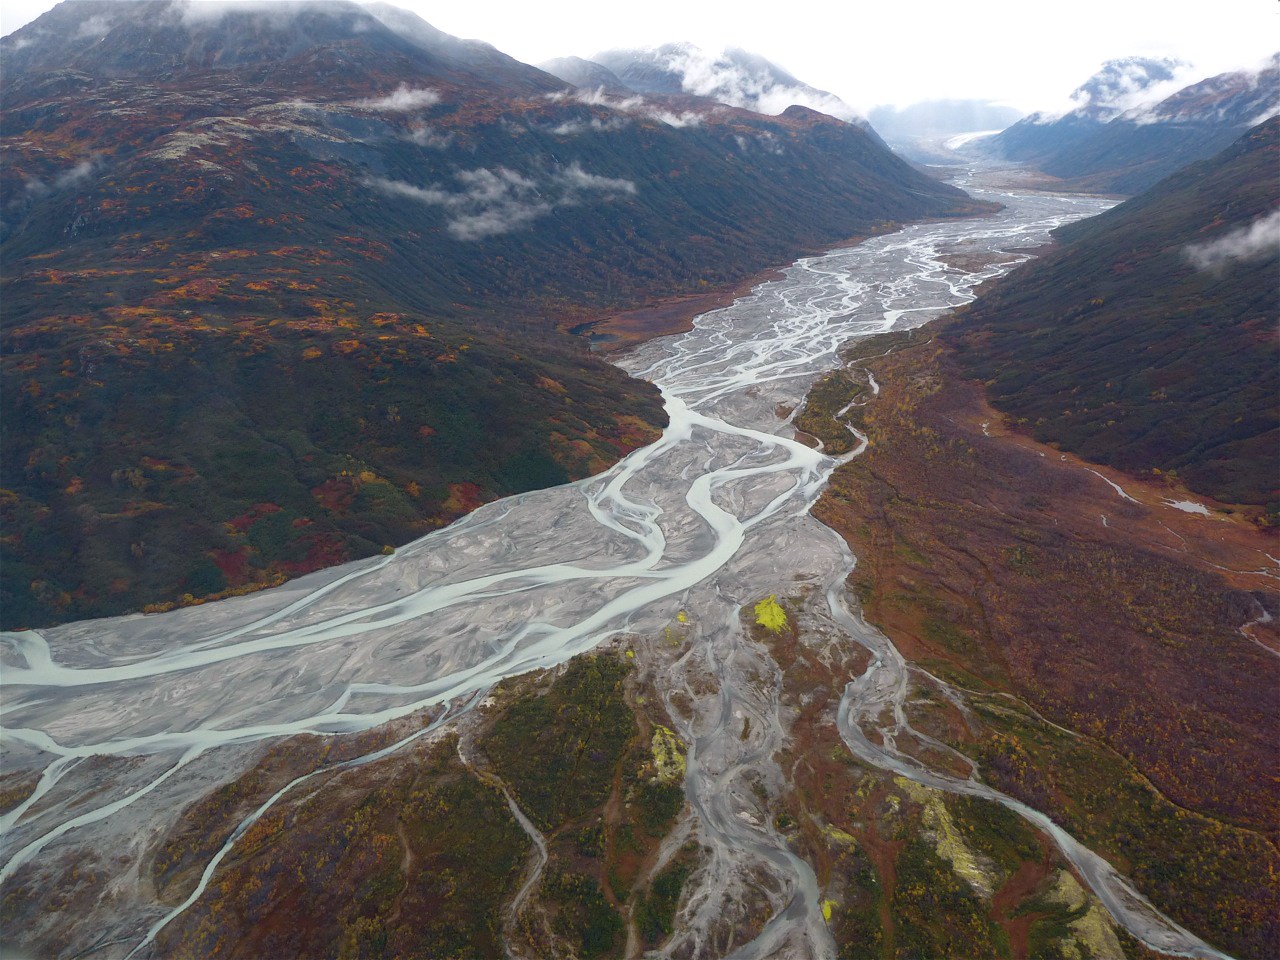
128	720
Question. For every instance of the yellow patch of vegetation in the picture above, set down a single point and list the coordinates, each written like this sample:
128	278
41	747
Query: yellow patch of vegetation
827	907
668	755
770	615
948	842
839	836
1093	930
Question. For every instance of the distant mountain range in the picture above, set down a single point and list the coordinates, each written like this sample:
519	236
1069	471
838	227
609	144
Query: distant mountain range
1127	129
924	132
733	77
282	283
1147	341
939	118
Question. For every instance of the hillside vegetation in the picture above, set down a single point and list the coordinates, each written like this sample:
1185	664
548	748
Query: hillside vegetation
1114	676
1148	339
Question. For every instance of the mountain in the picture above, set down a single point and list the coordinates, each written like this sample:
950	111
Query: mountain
732	76
166	40
1147	339
480	59
1125	143
1118	86
283	284
586	74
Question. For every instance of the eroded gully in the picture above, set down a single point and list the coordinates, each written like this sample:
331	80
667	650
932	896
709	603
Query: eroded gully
713	516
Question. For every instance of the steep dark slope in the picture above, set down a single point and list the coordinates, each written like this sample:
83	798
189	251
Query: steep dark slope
281	283
1148	339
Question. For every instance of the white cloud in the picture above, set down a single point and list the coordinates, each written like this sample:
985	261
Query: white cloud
402	100
1259	239
686	118
73	177
761	141
635	106
576	179
69	178
497	201
571	128
96	26
424	135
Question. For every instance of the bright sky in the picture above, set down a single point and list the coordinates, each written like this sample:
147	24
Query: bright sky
1029	55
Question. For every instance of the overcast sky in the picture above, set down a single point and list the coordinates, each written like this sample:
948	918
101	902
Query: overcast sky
1030	55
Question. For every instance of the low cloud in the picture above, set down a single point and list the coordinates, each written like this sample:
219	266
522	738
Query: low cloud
402	100
1266	114
96	26
598	98
636	106
762	141
66	180
571	128
425	135
1259	239
686	118
491	202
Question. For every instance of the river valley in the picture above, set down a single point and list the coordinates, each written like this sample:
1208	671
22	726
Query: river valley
122	723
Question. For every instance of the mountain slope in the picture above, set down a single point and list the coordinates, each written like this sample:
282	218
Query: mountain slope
1128	150
281	284
1142	146
1147	341
586	74
1117	86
